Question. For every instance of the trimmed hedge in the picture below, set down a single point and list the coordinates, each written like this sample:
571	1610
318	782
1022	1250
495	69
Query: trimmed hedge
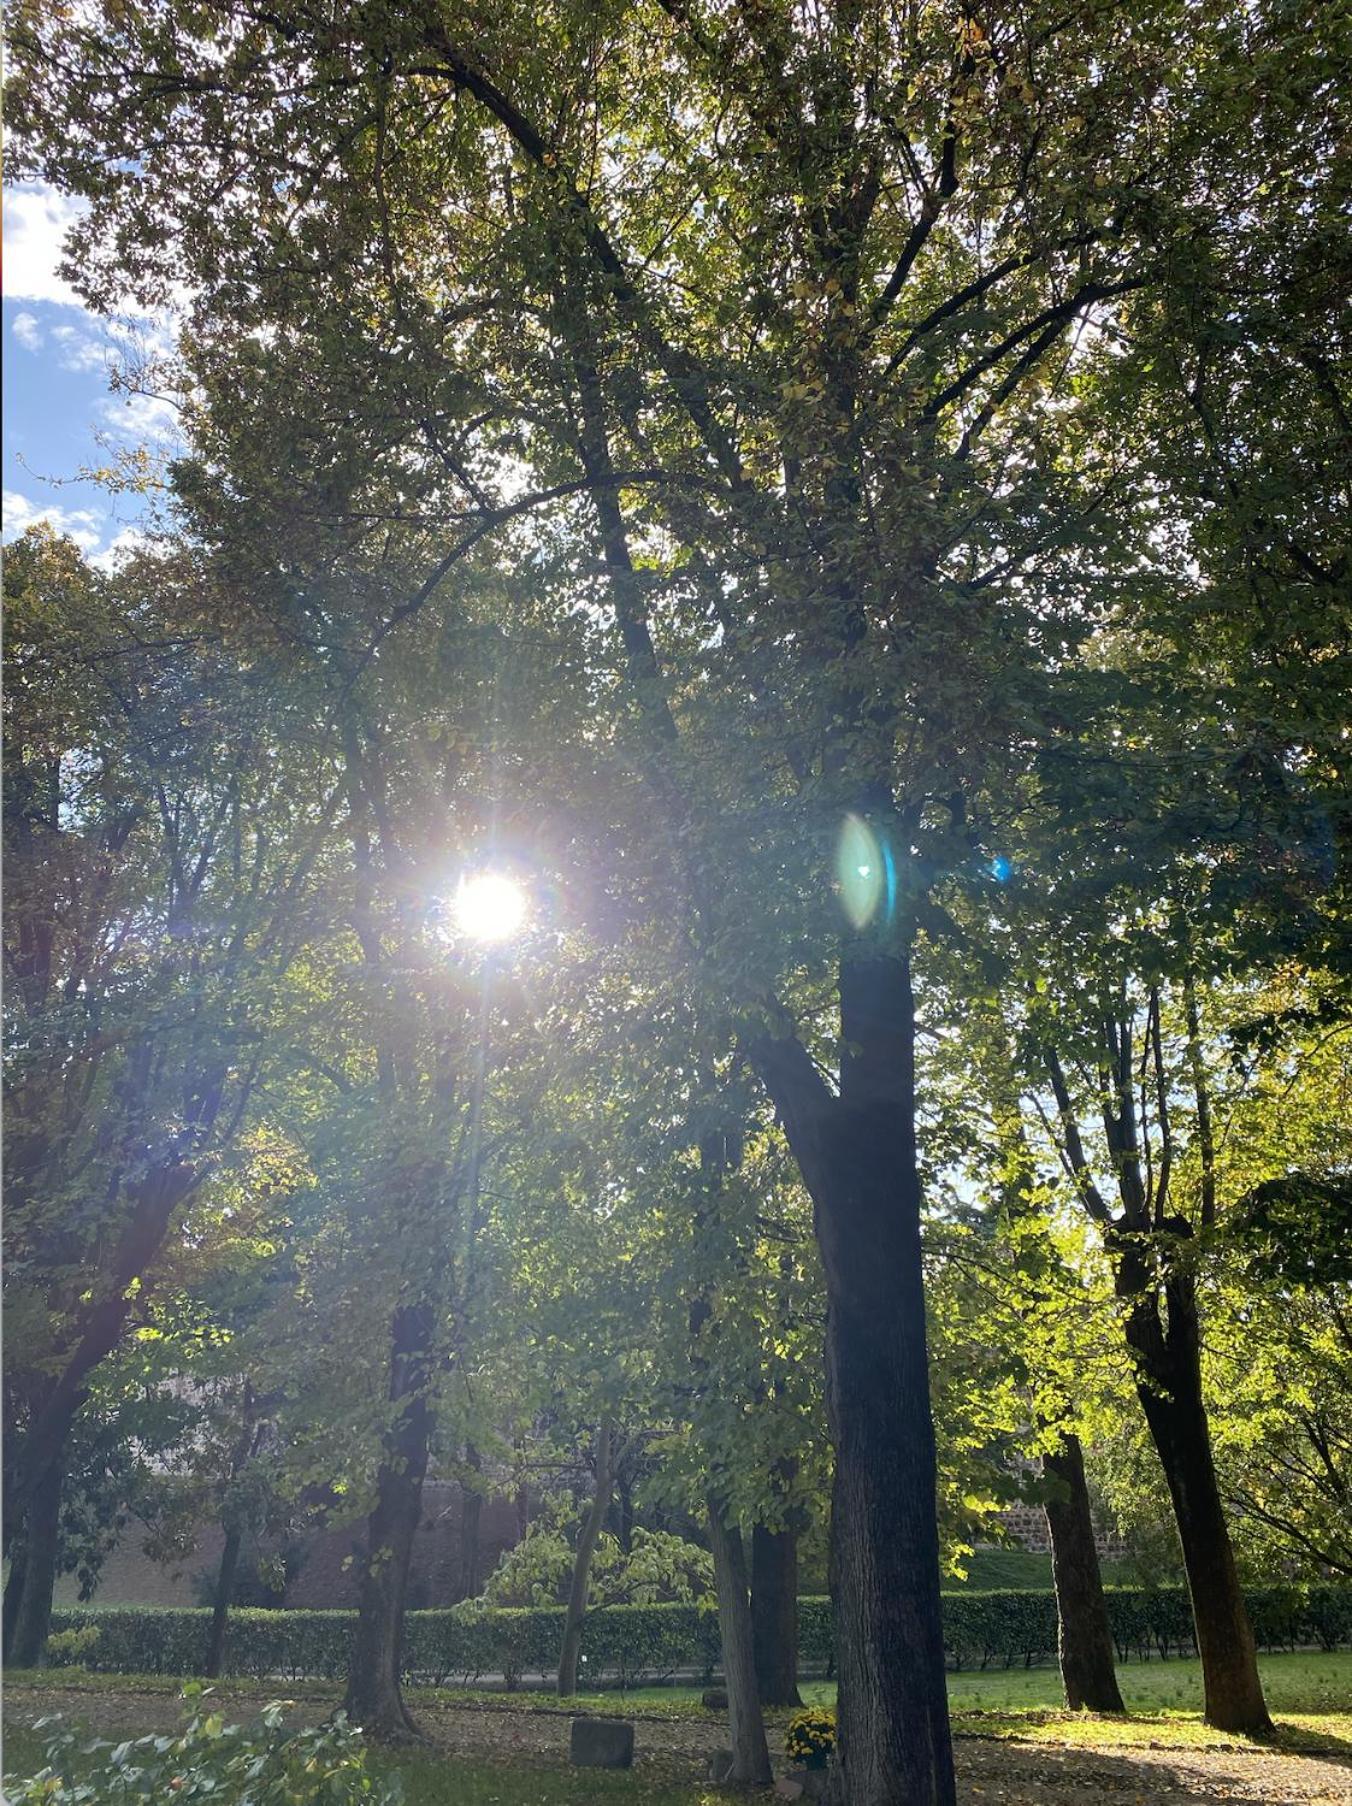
644	1643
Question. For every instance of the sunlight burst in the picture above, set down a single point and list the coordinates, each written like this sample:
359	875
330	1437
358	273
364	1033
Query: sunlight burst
489	907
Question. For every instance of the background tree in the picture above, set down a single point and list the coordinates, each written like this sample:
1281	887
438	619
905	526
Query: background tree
160	833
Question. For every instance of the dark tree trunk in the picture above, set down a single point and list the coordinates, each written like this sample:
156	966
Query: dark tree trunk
471	1520
774	1614
746	1725
1085	1639
375	1700
225	1594
582	1561
13	1594
41	1545
624	1527
1170	1391
856	1152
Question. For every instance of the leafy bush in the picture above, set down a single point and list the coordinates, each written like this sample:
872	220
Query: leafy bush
264	1765
637	1643
660	1569
72	1646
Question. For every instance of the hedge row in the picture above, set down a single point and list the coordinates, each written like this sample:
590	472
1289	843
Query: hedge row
633	1643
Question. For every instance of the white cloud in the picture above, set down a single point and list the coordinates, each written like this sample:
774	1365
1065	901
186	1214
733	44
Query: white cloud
28	331
152	420
37	219
79	524
119	549
81	350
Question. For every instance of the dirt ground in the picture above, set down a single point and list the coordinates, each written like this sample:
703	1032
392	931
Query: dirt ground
1013	1774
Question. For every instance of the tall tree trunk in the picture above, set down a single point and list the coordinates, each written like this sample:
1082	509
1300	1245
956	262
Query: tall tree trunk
225	1593
582	1561
856	1152
13	1594
33	1605
471	1520
746	1725
1085	1638
375	1699
1170	1391
774	1614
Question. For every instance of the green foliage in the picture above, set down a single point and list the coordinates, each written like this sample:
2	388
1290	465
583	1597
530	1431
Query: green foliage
230	1765
660	1569
72	1646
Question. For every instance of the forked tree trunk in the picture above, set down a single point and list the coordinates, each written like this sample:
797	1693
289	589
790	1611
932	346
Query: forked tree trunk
582	1561
375	1699
225	1593
856	1152
774	1614
1084	1636
1170	1391
746	1724
32	1611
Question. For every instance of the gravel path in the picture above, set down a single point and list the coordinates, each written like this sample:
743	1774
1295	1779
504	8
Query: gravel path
1012	1774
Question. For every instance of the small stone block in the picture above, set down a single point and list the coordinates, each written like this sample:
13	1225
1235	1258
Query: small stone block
601	1743
786	1789
714	1699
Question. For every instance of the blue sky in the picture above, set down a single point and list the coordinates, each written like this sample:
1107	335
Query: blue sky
61	414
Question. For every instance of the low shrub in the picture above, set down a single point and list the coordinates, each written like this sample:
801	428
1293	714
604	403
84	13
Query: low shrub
636	1644
228	1764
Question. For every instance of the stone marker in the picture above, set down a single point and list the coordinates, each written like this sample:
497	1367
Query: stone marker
785	1789
720	1766
714	1699
601	1743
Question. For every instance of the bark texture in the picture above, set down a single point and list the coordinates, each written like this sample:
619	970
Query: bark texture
746	1724
582	1560
1084	1637
225	1593
856	1151
774	1614
375	1699
36	1574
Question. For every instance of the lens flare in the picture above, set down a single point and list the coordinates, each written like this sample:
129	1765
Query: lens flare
489	907
863	871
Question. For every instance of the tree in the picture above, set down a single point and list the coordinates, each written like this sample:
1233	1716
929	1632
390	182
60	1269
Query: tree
160	830
792	299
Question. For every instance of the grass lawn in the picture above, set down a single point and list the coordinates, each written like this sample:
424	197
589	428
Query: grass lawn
1310	1696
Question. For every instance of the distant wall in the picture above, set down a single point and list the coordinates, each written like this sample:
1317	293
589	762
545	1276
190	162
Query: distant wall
327	1576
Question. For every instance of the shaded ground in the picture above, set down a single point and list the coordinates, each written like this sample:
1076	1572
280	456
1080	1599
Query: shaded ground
672	1753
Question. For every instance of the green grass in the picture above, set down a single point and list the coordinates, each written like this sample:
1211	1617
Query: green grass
995	1570
992	1570
1310	1696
